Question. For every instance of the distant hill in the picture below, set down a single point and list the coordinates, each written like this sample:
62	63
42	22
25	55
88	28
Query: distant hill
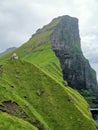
7	51
33	93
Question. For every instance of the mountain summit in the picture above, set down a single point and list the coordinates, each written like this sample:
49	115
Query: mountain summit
33	93
66	43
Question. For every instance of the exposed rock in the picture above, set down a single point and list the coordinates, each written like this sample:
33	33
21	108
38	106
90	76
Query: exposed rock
9	107
65	83
14	109
70	99
39	92
76	69
26	105
12	86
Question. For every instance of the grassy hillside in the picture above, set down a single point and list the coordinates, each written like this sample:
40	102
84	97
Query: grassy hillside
41	100
8	122
32	91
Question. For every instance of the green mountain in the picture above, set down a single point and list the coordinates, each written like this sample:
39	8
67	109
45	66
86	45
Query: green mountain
33	95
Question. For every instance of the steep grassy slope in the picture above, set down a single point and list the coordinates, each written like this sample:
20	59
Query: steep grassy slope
32	94
8	122
44	102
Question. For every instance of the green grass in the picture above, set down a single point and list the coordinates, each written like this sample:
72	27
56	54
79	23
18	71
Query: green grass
51	108
8	122
47	61
35	83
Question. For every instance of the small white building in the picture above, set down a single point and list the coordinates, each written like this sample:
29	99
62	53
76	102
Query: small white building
14	56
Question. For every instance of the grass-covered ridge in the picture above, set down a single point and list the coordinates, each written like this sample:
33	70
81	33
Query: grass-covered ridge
33	86
48	104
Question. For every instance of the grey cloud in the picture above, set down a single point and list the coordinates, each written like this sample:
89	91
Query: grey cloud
17	22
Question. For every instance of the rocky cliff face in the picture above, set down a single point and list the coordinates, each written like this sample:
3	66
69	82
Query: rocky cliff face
76	69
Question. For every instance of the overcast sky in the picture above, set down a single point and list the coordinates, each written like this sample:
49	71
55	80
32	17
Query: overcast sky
19	19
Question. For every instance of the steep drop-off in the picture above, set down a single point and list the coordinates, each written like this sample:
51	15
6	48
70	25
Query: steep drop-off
32	91
76	69
66	44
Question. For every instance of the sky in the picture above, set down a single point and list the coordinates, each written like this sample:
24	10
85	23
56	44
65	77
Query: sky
19	19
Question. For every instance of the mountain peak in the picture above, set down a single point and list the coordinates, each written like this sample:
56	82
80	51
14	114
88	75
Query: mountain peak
67	17
65	41
61	19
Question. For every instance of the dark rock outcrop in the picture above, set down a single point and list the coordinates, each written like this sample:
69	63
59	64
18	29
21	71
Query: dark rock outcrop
66	44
